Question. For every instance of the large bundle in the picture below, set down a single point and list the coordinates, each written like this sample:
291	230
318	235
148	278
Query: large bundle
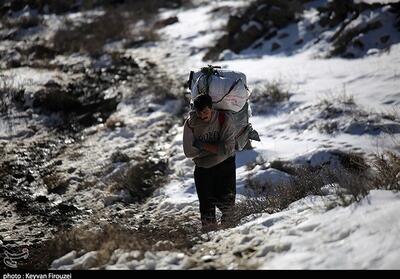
229	92
228	89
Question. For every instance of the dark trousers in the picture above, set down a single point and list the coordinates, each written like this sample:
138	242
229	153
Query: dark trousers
216	187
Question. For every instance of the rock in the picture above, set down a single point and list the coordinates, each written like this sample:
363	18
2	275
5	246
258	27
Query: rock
279	16
39	234
30	178
118	157
67	259
52	84
126	257
66	208
283	35
275	46
208	258
87	261
42	199
71	170
385	39
261	14
234	23
18	175
41	52
271	33
299	42
9	241
166	22
109	200
358	44
56	100
164	245
246	38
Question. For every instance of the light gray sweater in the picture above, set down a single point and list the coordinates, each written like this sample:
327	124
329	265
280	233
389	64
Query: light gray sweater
211	132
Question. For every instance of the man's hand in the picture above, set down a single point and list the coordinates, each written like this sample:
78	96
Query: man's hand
212	148
198	144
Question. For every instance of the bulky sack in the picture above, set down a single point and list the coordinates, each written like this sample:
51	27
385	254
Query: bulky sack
228	89
229	92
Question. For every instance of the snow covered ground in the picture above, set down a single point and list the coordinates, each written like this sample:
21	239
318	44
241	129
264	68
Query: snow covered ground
311	233
304	236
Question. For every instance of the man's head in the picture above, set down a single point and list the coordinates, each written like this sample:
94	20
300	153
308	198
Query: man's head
203	106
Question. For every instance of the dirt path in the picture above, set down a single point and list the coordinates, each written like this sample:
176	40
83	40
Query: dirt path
57	180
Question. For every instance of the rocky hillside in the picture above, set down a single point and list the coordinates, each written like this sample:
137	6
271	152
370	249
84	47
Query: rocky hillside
341	28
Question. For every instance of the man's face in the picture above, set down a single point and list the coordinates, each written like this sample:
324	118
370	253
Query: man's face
205	114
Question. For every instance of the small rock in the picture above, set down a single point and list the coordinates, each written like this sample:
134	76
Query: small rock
275	46
283	35
164	245
52	84
71	170
66	208
9	240
109	200
299	42
30	178
39	234
42	199
64	260
146	221
165	22
208	258
118	156
385	39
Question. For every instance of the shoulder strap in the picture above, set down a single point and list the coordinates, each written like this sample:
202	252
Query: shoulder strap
221	118
190	127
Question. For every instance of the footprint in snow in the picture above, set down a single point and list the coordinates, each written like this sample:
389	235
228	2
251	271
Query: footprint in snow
308	227
338	237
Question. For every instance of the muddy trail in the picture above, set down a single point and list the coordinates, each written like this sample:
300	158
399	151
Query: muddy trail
53	179
87	114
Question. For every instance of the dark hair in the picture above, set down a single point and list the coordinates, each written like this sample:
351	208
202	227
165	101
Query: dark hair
202	101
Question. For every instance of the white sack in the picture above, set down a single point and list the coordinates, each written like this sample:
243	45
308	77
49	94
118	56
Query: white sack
219	86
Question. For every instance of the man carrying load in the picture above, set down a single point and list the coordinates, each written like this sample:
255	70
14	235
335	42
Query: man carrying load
217	126
209	139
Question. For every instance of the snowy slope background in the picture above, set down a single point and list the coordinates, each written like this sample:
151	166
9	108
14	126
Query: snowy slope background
333	106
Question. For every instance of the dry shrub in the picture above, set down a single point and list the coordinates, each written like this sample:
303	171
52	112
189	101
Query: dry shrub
283	166
275	198
178	234
10	93
353	162
352	181
55	184
23	22
353	177
387	166
118	22
350	186
91	36
271	93
142	178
